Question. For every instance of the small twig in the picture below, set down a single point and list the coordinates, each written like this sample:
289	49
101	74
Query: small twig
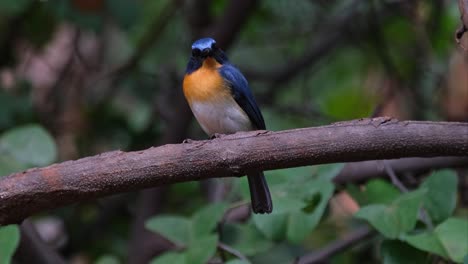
33	249
233	251
77	51
463	7
337	246
423	215
393	177
238	213
425	218
459	34
358	172
58	88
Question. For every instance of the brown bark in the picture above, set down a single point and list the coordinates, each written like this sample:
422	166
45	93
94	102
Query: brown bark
25	193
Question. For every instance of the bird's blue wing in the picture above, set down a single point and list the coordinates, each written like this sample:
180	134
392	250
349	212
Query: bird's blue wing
242	94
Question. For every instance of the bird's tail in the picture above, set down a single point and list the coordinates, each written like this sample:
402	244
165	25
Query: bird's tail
259	193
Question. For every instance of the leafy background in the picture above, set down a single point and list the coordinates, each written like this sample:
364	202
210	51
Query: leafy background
82	77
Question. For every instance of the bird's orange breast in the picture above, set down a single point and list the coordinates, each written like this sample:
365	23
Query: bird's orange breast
205	84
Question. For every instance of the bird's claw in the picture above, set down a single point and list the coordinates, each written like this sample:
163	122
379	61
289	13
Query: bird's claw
187	140
216	135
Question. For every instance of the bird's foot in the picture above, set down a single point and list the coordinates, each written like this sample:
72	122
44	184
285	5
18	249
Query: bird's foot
216	135
187	141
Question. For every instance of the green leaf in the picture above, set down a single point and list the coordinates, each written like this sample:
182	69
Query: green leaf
441	198
39	26
205	220
381	192
13	7
375	191
16	106
301	223
9	239
328	171
9	165
396	252
427	242
352	102
285	203
396	218
279	253
237	261
273	226
448	239
202	249
30	144
453	235
124	12
299	206
299	226
107	259
245	238
175	228
170	257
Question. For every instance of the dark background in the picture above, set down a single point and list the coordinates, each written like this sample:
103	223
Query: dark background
83	77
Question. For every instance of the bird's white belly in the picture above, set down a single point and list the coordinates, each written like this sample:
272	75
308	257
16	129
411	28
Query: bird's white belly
223	117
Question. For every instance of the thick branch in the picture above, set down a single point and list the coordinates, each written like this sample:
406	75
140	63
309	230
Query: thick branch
25	193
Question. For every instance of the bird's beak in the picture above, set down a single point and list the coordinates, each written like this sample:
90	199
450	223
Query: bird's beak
206	52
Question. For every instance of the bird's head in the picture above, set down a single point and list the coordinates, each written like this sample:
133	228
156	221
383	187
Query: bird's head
201	50
204	47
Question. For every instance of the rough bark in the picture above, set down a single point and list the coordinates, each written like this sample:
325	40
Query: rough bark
35	190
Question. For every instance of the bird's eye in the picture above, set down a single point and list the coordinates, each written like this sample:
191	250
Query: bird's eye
213	46
196	52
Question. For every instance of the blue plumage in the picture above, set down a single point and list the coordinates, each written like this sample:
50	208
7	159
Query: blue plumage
204	43
242	94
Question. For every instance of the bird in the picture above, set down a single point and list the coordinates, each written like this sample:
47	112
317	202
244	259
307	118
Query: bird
221	101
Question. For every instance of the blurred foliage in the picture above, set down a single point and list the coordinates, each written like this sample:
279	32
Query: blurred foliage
394	219
9	239
397	220
27	146
196	234
393	53
447	240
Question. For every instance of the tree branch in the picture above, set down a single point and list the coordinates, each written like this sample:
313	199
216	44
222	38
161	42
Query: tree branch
233	251
356	172
35	190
